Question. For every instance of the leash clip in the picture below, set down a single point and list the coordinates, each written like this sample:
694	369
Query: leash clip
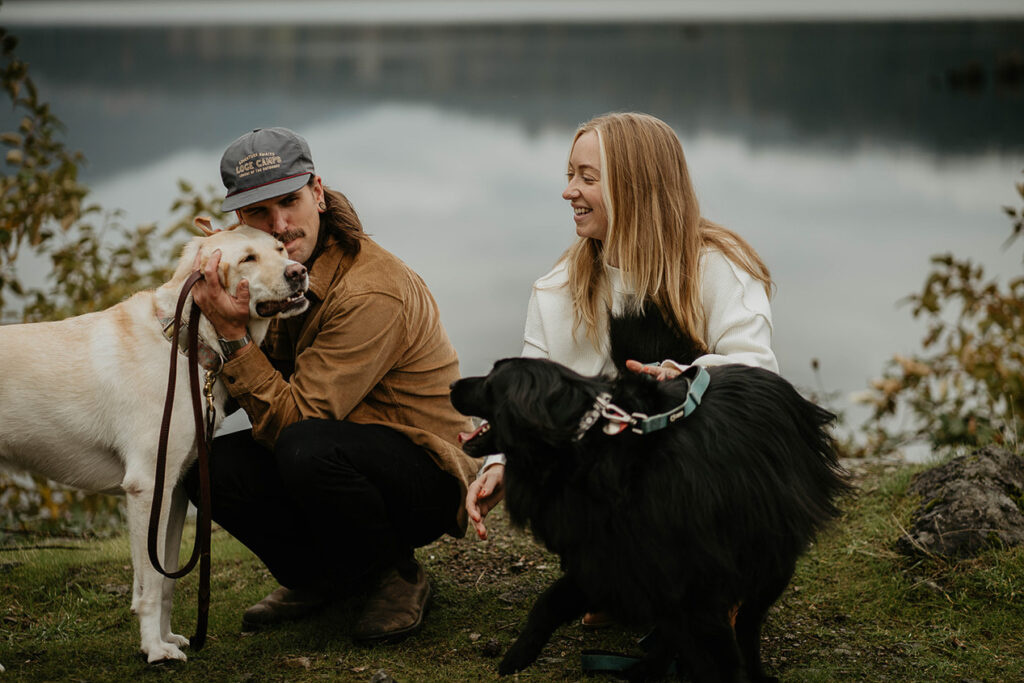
618	419
613	413
211	408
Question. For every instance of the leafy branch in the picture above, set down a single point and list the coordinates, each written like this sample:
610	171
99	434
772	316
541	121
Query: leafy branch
966	386
39	189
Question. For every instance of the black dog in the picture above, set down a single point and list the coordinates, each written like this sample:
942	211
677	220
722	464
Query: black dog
673	528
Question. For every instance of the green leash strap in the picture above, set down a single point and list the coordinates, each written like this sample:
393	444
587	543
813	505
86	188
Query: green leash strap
600	661
604	661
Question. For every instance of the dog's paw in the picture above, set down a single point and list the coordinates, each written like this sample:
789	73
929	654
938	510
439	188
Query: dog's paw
517	658
164	652
507	668
175	639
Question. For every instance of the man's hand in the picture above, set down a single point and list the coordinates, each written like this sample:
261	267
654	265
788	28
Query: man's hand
229	314
659	372
483	495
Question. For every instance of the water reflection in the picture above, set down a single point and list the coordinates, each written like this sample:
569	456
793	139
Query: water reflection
845	154
474	206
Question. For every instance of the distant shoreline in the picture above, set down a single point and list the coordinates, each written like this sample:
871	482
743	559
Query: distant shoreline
164	13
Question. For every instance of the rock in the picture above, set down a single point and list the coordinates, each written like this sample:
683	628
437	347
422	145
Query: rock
969	504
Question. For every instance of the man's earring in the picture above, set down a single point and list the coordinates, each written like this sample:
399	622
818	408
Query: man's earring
322	206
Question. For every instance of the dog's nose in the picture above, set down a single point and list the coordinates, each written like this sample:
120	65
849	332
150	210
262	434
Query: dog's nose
295	271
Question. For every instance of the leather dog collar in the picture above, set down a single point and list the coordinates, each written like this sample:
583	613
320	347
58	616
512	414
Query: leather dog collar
209	359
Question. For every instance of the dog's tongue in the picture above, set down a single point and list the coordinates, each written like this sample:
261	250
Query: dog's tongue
467	436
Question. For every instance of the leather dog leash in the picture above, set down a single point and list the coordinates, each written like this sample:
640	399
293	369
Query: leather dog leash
201	549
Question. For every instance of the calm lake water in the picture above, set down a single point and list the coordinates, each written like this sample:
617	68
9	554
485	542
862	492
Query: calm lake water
845	153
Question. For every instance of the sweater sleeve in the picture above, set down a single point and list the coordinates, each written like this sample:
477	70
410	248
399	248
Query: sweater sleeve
737	314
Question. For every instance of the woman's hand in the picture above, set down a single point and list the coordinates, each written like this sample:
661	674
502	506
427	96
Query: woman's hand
483	495
229	314
661	373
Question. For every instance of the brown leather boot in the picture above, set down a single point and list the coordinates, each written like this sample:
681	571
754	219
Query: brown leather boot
396	608
282	604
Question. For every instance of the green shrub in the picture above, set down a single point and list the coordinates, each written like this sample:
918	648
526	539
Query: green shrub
966	386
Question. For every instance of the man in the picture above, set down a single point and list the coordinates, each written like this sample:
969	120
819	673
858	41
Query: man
351	461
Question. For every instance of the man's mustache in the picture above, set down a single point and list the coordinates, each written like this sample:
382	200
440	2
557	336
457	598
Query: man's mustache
291	235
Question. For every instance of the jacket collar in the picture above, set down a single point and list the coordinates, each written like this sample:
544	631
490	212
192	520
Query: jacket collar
325	267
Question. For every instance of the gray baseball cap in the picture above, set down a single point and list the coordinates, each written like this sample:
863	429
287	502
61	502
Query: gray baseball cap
264	163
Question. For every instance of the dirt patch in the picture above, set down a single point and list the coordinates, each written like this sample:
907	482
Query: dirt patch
508	552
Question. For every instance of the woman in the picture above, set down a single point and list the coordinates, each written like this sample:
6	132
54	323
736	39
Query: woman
641	238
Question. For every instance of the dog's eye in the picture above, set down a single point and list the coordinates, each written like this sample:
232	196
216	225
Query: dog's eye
247	259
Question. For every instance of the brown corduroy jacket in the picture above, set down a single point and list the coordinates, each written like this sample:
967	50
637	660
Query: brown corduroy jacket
370	349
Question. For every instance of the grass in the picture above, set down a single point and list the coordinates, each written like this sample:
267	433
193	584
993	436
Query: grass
855	611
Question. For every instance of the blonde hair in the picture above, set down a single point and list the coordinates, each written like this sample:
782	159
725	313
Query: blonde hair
655	230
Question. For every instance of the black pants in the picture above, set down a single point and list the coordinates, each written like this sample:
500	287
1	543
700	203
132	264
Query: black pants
332	503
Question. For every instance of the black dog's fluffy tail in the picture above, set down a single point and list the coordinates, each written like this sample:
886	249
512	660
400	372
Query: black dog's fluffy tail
826	479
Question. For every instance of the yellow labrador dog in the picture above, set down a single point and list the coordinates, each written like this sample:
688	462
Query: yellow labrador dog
81	401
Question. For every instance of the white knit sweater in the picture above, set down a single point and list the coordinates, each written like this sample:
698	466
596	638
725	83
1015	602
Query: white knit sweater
738	319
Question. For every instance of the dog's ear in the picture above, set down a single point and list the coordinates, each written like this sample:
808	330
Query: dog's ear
205	224
642	333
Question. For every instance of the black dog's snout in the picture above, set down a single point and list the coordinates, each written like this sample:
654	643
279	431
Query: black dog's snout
295	271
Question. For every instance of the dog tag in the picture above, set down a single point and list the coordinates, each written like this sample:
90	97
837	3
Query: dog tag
613	428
